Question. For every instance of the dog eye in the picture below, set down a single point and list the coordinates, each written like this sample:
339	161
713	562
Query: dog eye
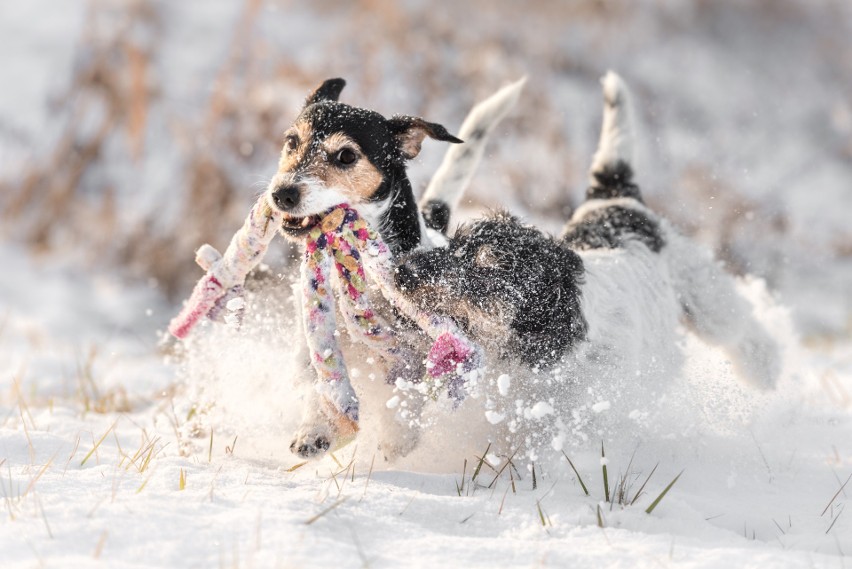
291	143
346	156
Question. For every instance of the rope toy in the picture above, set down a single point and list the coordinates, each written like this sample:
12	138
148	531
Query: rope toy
341	252
344	241
222	286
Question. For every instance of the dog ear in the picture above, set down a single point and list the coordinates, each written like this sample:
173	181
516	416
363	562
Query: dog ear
328	91
410	132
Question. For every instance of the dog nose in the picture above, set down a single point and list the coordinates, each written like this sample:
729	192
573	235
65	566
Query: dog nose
405	276
287	197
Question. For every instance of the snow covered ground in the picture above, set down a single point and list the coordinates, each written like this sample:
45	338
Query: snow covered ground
104	461
94	445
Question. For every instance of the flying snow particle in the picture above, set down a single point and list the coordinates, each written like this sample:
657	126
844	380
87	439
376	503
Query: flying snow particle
541	409
494	417
601	406
503	383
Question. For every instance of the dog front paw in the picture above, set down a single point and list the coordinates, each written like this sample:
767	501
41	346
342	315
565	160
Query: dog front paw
325	428
310	445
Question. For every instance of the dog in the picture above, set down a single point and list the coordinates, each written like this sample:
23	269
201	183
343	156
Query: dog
336	153
598	304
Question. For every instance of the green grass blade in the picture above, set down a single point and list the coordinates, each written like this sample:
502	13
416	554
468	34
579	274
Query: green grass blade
639	492
663	494
479	465
577	474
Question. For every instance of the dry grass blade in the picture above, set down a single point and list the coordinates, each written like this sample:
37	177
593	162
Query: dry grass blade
210	448
182	480
460	489
577	474
369	475
662	494
503	501
95	448
534	481
600	517
325	511
47	525
833	498
834	521
639	492
296	466
38	475
479	465
541	514
144	483
502	468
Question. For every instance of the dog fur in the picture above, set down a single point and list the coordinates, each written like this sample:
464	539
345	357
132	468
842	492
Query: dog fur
603	301
336	153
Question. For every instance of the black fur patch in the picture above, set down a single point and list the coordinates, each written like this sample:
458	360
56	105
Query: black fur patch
373	134
500	262
437	215
612	227
614	182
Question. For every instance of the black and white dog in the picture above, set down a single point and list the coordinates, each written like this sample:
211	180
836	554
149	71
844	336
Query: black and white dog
337	153
603	301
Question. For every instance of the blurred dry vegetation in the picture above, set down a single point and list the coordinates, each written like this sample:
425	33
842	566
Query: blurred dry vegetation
117	120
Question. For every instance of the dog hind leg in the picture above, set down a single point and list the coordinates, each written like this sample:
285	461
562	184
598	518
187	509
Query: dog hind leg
447	186
720	315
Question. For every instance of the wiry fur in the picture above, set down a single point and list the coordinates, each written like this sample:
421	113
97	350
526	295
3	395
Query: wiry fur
500	275
603	303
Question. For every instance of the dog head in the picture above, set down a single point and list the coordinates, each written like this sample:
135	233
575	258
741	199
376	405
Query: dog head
335	153
505	283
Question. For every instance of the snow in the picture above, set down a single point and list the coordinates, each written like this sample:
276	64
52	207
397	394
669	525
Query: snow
759	469
88	394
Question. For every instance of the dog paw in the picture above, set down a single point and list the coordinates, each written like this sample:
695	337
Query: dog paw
323	429
313	442
310	446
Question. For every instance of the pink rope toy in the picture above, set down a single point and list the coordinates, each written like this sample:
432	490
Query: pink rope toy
344	241
226	273
341	252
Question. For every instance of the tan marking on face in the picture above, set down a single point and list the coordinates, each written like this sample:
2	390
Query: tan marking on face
359	181
289	159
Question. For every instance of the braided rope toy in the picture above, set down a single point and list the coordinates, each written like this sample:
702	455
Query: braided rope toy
226	273
343	241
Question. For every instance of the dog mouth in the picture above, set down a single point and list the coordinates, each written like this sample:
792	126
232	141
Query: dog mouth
298	225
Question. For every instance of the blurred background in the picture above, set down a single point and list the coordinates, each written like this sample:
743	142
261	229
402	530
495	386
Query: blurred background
131	132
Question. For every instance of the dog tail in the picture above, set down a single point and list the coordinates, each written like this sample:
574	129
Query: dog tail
447	186
611	174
